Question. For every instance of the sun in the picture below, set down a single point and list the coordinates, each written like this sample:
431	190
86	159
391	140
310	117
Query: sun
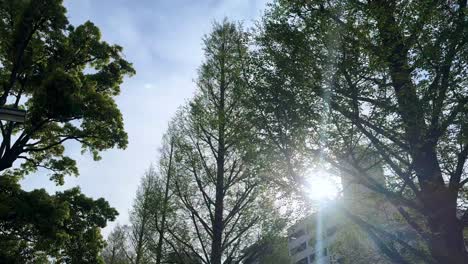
321	185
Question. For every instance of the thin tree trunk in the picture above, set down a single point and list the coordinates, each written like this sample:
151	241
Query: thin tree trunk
112	256
218	225
139	250
141	233
163	218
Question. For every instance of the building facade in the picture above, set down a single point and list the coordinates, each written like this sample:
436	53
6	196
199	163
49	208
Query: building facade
310	240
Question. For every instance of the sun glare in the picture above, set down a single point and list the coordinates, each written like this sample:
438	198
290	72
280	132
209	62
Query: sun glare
322	186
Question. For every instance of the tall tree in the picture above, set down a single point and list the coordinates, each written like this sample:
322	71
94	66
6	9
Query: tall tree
215	180
141	231
162	206
386	76
115	251
144	240
66	78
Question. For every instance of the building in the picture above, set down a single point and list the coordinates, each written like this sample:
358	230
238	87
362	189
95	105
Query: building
309	240
312	239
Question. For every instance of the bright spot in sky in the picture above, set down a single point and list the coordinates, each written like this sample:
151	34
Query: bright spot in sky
322	186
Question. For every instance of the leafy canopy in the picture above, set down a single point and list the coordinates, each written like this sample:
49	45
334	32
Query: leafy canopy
66	78
35	225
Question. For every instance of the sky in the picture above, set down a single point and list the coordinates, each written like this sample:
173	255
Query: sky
163	40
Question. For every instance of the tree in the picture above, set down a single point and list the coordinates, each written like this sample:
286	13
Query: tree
215	181
270	250
174	258
164	207
29	233
152	212
65	78
115	250
36	226
140	231
144	241
385	76
272	245
85	219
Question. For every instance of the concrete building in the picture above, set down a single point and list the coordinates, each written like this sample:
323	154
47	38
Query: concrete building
304	243
309	240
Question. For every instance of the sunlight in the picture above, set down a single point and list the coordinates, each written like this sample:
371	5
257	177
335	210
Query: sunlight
321	186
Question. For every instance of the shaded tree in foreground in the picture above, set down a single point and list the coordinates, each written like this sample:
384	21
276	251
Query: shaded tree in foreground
387	75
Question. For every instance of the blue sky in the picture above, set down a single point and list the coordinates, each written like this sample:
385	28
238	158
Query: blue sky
163	39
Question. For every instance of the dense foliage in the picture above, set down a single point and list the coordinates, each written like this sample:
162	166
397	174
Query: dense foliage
36	226
65	78
357	87
340	81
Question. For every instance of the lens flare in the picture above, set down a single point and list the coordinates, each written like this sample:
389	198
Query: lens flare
321	186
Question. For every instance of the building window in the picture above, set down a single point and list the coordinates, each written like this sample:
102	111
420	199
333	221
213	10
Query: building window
302	261
298	249
296	235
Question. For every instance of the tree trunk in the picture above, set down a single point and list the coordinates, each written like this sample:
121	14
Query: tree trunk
446	230
112	256
7	160
139	251
438	201
5	165
440	209
163	218
141	237
447	243
218	225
